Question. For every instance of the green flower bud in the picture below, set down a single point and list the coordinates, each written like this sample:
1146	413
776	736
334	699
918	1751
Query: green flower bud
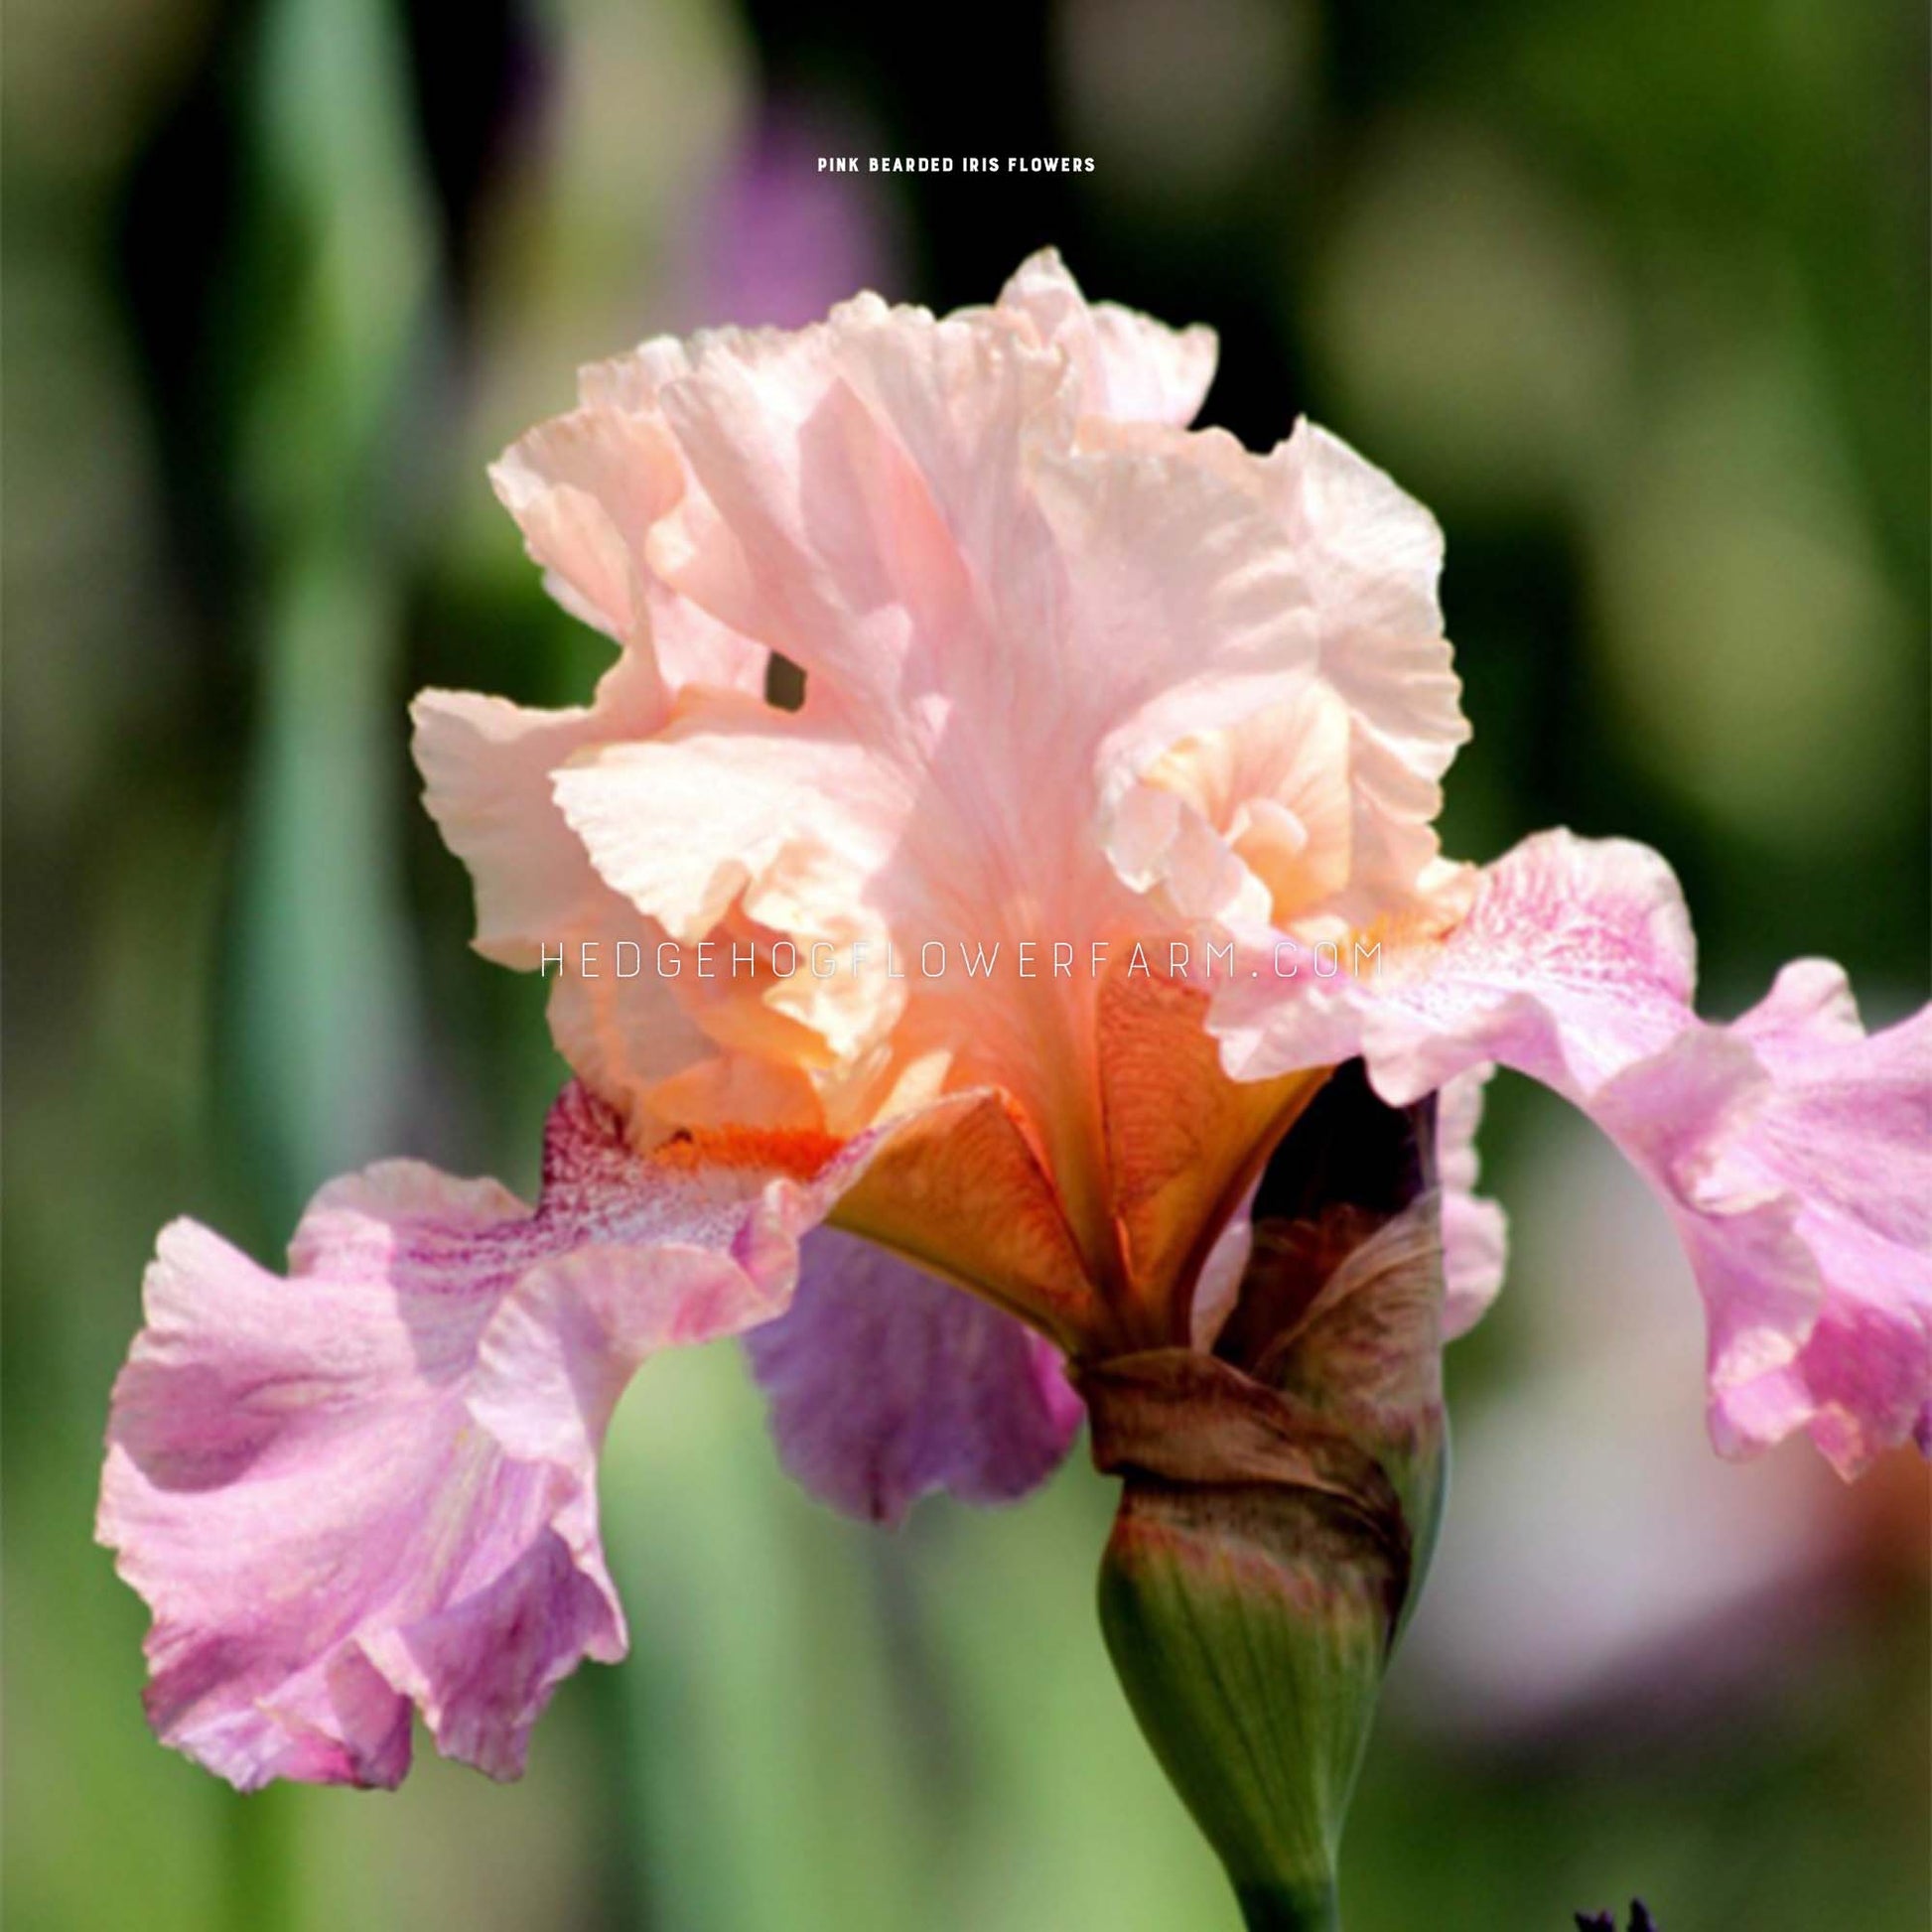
1279	1501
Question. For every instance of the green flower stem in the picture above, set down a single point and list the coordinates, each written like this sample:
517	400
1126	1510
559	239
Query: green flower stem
1279	1908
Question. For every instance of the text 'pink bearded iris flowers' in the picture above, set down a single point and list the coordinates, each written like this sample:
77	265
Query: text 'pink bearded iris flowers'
1075	676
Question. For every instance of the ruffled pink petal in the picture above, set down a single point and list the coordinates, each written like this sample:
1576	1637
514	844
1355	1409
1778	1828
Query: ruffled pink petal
1128	367
373	1484
486	766
897	504
1318	799
1373	557
626	1012
914	509
1792	1151
1821	1135
887	1382
588	490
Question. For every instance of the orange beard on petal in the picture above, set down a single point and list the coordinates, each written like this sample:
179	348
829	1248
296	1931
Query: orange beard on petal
799	1152
1092	1225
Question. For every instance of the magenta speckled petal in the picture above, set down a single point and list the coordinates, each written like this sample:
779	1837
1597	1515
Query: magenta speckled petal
1793	1152
887	1382
372	1483
1796	1152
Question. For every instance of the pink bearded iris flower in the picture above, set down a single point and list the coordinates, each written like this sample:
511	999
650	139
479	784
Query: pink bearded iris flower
1137	721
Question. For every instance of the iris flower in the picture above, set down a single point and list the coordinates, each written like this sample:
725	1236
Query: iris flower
1152	727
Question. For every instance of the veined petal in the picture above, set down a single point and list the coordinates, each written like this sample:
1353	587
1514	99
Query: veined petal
960	1187
1074	677
588	490
1794	1154
887	1382
1820	1139
899	503
1320	798
372	1483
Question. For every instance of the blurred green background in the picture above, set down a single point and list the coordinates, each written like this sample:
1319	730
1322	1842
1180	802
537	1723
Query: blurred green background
1634	295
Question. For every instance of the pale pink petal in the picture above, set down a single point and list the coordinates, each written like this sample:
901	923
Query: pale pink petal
486	766
586	489
1130	367
887	1382
897	504
1793	1152
589	489
630	1010
373	1484
1027	607
1373	556
1318	799
487	769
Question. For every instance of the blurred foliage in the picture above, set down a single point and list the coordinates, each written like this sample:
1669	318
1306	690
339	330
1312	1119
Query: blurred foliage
1634	295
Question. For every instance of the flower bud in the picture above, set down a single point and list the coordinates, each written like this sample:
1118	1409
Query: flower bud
1279	1501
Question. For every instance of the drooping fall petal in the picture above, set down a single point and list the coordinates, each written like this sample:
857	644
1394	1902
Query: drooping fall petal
1798	1150
372	1484
885	1383
1792	1151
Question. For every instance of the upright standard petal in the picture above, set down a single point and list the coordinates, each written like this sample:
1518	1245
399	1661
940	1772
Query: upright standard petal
1130	367
1076	680
1312	809
1793	1152
373	1484
898	502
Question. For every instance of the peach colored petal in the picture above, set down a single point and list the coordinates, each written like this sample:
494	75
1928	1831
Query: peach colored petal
961	1191
1072	675
587	489
894	498
1185	1146
487	769
486	766
1128	367
1234	792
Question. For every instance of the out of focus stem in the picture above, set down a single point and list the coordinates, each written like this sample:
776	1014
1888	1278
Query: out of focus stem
1281	1909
